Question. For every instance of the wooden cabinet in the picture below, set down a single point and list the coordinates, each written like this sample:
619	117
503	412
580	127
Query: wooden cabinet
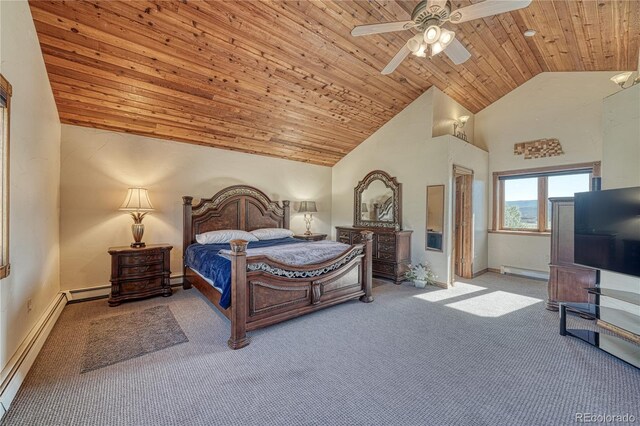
567	281
391	250
139	272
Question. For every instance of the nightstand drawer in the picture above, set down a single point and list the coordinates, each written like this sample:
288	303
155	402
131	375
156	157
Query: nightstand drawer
139	272
133	271
141	259
137	286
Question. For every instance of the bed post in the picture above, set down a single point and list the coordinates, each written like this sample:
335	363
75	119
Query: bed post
285	220
238	318
186	236
367	278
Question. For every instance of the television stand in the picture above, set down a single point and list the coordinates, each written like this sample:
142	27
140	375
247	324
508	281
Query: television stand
622	349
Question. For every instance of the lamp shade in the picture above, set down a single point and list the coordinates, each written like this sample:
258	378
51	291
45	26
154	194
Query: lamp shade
363	208
137	200
307	207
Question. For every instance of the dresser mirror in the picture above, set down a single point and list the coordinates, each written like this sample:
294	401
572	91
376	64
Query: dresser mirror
377	201
435	217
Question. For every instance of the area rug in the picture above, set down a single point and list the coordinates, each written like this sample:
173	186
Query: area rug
118	338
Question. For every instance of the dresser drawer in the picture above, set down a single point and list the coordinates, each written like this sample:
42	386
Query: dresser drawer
344	235
384	268
387	238
133	271
387	247
383	255
139	259
137	286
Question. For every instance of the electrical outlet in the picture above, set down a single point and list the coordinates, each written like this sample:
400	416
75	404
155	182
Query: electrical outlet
29	305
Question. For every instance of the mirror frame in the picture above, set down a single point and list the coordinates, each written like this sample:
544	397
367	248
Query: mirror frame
426	231
396	188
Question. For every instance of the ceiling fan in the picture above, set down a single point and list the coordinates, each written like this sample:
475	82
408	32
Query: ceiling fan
428	17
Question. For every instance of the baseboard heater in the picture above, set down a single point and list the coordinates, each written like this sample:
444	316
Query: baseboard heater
100	292
521	272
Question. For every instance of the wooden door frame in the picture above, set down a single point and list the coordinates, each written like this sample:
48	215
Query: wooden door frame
466	253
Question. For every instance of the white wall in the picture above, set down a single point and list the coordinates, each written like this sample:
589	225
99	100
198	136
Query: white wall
404	148
621	169
98	166
567	106
35	178
621	135
445	112
442	154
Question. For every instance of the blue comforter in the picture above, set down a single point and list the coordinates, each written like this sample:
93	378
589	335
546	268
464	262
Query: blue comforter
205	259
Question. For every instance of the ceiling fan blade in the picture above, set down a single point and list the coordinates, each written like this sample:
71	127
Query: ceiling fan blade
393	64
387	27
486	8
457	52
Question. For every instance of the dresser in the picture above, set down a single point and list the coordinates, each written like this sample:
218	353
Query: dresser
568	282
311	237
139	272
391	249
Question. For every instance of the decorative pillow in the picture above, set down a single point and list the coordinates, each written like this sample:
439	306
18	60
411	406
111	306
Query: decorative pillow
272	233
224	236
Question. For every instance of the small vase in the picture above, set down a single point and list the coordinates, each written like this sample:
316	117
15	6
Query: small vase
137	229
420	283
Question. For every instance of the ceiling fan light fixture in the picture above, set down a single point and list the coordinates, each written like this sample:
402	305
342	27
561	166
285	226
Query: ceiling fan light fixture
414	43
436	48
621	79
446	37
422	51
432	34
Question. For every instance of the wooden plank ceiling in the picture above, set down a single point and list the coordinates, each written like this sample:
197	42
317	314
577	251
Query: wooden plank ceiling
286	79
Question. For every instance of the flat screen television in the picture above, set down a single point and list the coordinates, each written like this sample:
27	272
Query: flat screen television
607	230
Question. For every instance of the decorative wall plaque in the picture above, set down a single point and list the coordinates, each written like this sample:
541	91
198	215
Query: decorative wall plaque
538	148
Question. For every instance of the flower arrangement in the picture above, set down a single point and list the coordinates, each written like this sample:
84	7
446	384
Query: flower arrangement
421	274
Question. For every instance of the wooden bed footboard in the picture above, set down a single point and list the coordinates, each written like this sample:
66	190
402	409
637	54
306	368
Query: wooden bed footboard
265	292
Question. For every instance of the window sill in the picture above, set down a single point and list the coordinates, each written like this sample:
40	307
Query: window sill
534	233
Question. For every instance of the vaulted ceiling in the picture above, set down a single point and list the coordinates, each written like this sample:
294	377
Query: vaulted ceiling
286	78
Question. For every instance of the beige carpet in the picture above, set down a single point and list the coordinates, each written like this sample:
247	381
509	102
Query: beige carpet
484	352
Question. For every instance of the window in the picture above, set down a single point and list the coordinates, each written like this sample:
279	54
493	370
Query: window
521	198
5	105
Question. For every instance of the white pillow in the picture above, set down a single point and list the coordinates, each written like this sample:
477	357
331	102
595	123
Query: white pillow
224	236
272	233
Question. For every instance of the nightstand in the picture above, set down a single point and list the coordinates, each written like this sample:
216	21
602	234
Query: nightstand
139	272
312	237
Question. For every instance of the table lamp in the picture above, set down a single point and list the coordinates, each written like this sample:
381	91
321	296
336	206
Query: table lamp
310	208
137	203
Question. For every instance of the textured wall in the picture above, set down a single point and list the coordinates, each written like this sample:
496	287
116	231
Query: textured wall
567	106
404	148
35	178
98	166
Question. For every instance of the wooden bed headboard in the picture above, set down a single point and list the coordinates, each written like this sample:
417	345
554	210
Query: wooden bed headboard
236	207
